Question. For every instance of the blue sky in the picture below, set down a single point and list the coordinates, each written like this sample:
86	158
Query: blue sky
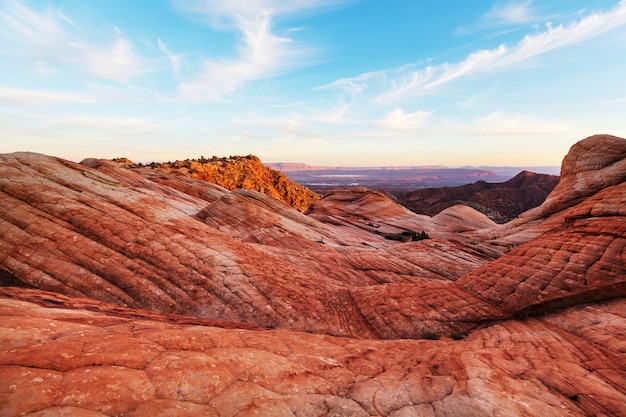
326	82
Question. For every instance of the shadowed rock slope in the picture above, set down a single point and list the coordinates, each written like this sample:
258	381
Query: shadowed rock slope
500	201
149	299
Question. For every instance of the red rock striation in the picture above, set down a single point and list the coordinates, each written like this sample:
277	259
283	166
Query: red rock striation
592	164
99	230
73	362
153	297
572	256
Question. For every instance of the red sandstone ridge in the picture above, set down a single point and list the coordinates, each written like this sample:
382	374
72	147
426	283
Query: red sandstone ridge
235	172
500	201
181	297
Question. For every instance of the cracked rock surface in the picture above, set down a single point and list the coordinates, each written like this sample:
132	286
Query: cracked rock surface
66	362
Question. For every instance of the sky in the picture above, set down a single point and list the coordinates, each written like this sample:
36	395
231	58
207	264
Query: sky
323	82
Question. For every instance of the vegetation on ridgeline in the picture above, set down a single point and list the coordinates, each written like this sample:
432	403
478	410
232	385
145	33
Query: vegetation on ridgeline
235	172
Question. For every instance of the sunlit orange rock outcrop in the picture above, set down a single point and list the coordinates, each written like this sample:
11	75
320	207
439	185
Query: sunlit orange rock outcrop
235	172
128	295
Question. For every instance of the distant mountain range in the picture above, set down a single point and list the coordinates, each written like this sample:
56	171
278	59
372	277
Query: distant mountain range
498	170
397	179
501	193
501	201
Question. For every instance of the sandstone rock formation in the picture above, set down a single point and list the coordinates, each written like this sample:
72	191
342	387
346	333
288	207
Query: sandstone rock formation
132	294
500	201
235	172
99	230
591	165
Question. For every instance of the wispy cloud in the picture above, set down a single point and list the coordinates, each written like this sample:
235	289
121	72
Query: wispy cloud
615	101
261	54
44	33
503	17
318	116
395	84
51	39
173	58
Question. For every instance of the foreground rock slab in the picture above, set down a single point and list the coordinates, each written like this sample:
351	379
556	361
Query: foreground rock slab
66	362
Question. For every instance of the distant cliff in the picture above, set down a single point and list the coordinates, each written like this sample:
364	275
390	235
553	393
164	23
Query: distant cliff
235	172
499	201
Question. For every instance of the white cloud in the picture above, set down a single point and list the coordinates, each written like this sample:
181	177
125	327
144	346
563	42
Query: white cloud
367	81
50	40
615	101
305	121
293	104
262	53
505	16
44	33
408	80
398	119
562	36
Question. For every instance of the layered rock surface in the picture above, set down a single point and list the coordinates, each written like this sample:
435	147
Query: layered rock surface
68	362
153	296
99	230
